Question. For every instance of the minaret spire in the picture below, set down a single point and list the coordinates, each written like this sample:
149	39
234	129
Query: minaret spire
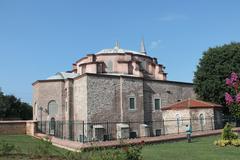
117	45
142	47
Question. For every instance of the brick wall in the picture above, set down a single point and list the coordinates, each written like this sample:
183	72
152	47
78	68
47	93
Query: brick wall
17	127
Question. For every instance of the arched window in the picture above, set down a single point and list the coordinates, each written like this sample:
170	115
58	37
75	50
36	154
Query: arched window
35	110
202	119
52	107
109	66
178	119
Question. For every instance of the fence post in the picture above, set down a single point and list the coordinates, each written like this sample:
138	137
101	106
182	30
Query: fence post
49	125
129	123
201	125
107	131
45	127
62	129
163	125
212	122
83	133
178	126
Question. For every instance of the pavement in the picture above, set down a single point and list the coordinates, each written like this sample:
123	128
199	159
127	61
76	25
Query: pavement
78	146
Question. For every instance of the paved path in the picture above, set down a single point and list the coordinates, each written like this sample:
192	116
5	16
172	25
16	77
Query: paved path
76	146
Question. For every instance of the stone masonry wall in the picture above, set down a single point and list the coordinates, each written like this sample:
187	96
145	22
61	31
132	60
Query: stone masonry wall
188	116
103	99
168	92
208	122
170	120
43	93
80	104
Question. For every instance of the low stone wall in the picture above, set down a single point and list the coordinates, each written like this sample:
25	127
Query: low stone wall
17	127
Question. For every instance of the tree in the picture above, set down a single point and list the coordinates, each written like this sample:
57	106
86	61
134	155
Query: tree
212	70
233	100
12	108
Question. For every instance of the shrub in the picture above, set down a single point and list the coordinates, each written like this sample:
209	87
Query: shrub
134	153
228	134
6	148
108	155
222	143
228	137
126	153
43	147
75	156
235	142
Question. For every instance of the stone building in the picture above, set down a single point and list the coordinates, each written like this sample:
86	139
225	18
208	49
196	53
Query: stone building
201	115
112	85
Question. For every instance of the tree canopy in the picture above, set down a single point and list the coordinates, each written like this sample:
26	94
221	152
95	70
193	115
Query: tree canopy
12	108
213	69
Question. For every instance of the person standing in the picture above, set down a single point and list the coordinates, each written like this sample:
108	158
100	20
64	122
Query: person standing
189	132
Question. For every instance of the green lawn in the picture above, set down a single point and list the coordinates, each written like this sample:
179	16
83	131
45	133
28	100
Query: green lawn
199	149
27	145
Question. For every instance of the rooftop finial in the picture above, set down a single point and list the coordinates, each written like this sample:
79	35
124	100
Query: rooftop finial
117	45
142	47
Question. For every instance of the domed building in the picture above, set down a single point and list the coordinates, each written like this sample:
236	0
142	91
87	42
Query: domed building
118	61
113	86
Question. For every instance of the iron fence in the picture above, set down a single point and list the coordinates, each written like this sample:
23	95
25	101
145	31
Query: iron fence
87	132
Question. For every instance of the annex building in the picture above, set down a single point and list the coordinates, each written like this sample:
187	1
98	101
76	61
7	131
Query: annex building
118	86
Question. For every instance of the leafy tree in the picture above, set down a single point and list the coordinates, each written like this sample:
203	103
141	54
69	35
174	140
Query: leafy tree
12	108
214	67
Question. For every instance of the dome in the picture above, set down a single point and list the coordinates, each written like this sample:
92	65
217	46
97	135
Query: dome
117	49
55	77
63	75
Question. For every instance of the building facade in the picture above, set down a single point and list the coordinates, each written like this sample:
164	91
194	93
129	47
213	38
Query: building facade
113	85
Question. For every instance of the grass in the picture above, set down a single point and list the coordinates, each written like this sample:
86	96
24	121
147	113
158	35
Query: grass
27	146
199	149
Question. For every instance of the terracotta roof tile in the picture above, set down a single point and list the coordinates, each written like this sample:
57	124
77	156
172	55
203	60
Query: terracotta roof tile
191	103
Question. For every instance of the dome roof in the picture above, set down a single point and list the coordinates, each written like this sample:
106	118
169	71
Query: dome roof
117	49
63	75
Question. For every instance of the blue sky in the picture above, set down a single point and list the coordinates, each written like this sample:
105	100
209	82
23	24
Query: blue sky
40	38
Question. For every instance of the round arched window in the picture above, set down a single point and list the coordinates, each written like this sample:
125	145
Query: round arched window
109	66
52	108
201	119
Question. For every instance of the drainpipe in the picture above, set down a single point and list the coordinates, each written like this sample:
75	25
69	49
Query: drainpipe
121	98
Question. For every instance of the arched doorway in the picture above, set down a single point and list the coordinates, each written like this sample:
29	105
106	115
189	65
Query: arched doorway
52	126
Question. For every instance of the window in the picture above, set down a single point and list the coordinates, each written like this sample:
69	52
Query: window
52	108
178	119
66	92
201	119
143	65
109	66
157	104
35	109
132	103
158	132
66	106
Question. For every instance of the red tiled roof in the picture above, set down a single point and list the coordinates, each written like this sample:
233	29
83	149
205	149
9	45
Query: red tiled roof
191	103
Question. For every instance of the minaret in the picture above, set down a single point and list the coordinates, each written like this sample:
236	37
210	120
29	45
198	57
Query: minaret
142	47
117	45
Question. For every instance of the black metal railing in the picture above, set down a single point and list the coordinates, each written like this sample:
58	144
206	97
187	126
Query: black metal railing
88	131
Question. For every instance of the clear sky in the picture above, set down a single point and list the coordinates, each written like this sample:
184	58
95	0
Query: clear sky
40	38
